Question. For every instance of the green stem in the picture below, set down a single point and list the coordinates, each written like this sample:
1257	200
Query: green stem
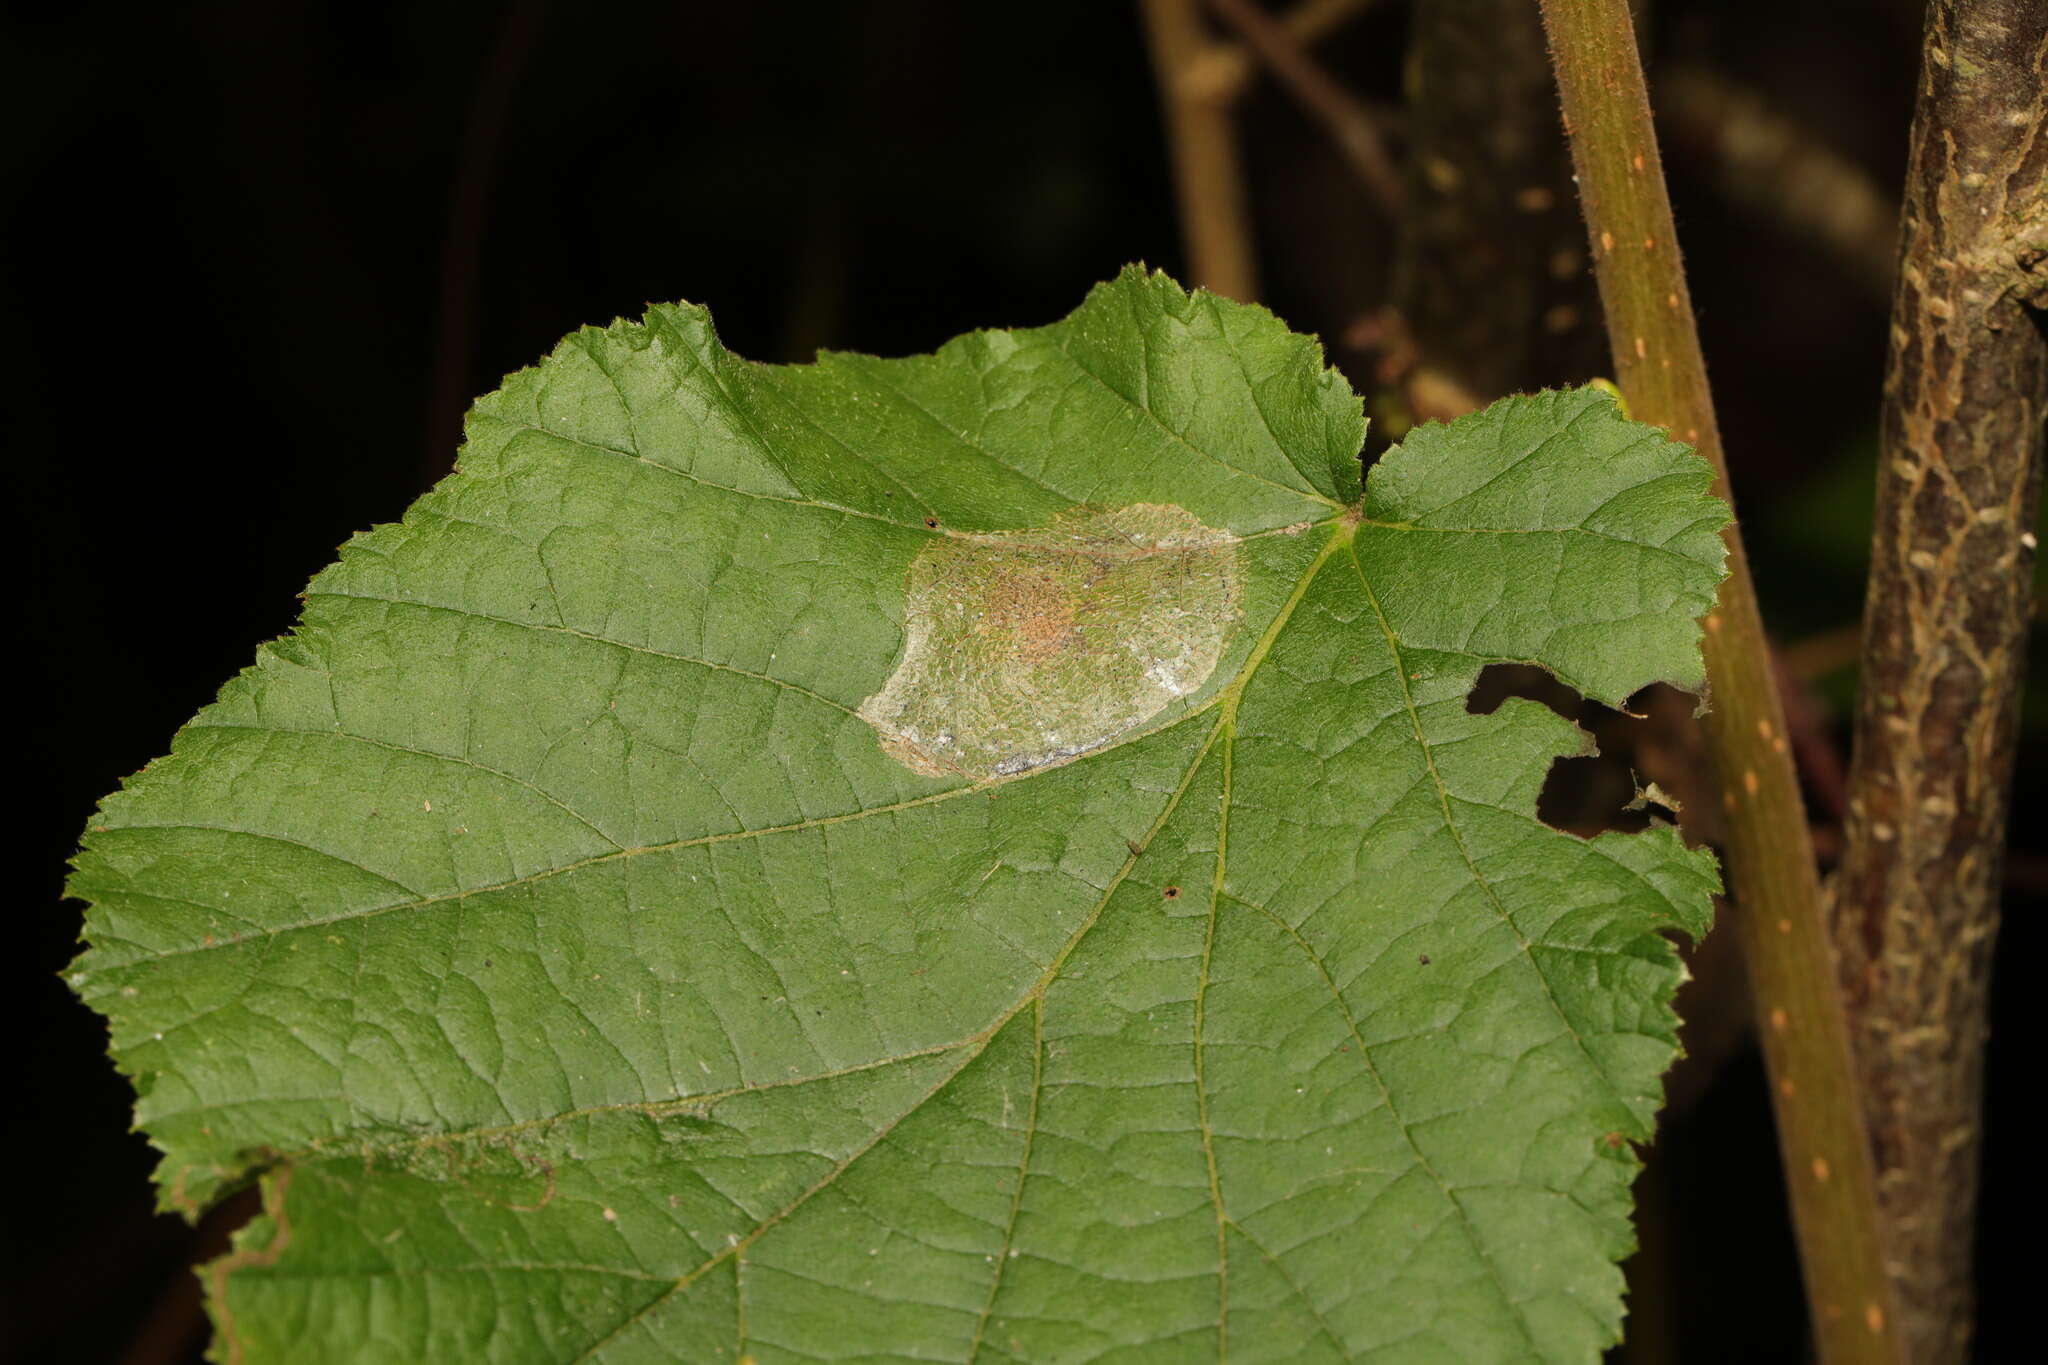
1776	914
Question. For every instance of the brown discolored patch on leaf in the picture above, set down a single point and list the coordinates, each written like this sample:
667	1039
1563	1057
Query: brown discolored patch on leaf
1024	649
247	1254
1033	606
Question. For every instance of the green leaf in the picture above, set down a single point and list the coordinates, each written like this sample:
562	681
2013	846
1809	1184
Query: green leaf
979	856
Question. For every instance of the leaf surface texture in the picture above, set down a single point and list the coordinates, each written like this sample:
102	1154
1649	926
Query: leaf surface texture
589	978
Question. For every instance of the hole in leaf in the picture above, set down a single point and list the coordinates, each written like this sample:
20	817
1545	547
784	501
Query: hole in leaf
1498	682
1585	794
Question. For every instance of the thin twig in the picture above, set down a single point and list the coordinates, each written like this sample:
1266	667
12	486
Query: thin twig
1207	170
1945	623
1776	909
1306	23
1350	125
1772	166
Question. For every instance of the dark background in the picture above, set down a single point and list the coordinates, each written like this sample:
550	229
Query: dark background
259	255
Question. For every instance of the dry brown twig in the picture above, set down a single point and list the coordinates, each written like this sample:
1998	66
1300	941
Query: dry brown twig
1200	78
1208	171
1306	22
1351	126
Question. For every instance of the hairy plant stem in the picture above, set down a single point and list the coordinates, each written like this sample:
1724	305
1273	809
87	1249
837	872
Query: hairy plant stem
1776	912
1208	173
1944	637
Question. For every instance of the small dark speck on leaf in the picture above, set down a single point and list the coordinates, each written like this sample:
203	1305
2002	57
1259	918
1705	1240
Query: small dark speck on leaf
1172	893
487	963
932	522
1424	959
1136	849
1613	1140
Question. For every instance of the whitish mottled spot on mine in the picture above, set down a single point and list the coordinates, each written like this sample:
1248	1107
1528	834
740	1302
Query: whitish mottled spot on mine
1028	648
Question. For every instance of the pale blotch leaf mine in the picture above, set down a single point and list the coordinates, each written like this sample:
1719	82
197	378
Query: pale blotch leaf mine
1028	648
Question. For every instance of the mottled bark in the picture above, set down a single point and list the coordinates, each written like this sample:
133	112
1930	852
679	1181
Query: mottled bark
1491	284
1916	900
